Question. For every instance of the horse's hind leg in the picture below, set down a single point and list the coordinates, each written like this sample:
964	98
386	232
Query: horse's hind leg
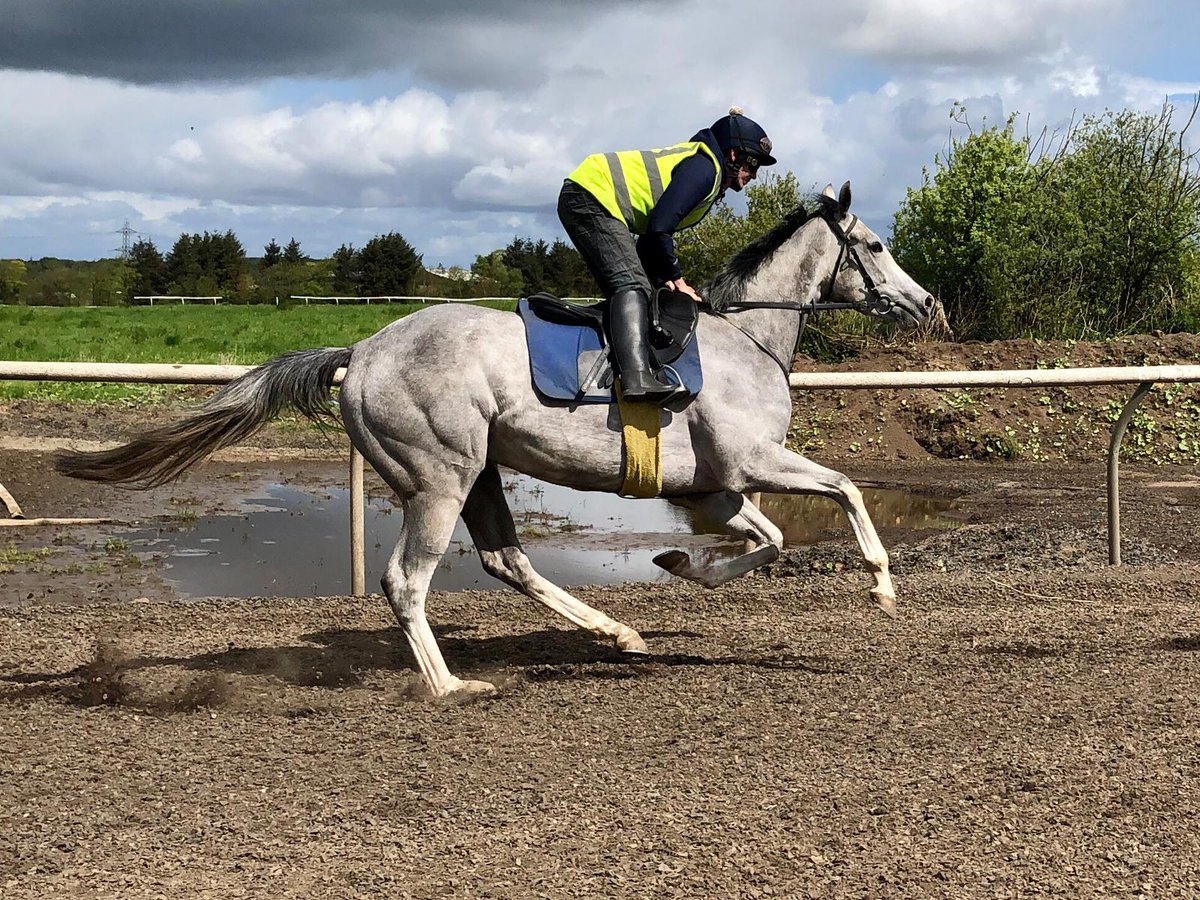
490	522
739	517
428	525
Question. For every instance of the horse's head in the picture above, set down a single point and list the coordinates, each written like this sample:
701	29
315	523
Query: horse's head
867	276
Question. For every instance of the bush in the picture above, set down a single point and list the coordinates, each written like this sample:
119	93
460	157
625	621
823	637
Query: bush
1092	238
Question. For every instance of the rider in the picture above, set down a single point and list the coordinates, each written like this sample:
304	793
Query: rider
652	193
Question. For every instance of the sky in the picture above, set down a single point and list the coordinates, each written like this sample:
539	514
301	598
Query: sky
453	122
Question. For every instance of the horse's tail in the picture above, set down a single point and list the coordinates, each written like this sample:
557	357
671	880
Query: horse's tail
300	379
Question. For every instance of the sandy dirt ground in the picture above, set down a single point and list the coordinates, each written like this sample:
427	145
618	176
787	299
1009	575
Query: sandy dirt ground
1027	726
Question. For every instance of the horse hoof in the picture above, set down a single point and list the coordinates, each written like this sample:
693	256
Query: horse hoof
477	687
630	643
466	686
885	602
674	561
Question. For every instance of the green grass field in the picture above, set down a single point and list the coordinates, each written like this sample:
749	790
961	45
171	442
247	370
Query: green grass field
231	335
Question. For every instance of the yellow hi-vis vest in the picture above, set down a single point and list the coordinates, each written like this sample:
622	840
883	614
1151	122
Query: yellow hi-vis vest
630	182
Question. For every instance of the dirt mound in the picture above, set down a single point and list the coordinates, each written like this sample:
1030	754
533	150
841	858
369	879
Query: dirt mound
1003	423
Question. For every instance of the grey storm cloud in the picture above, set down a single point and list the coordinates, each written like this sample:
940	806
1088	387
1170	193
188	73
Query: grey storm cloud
180	41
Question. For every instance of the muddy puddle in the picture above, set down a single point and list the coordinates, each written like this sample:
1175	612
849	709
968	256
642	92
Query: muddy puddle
291	541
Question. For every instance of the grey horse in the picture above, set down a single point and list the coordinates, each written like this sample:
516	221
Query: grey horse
438	401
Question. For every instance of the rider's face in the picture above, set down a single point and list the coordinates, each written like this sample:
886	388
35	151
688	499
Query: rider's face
746	172
745	175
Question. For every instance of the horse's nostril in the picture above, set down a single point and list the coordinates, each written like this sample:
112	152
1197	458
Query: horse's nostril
929	301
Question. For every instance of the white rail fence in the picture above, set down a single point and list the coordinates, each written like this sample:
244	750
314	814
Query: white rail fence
183	299
385	298
1145	377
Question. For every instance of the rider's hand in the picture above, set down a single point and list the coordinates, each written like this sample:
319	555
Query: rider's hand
678	284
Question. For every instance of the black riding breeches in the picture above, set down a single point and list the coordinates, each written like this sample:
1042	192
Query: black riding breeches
605	243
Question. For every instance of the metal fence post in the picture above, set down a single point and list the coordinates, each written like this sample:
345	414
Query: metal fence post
1114	484
358	564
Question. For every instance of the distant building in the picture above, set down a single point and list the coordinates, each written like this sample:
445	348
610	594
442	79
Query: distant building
454	273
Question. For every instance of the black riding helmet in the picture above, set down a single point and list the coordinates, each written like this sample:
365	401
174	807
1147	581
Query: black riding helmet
745	137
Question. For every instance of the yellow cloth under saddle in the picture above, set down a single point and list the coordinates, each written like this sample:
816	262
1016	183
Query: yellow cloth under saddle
641	432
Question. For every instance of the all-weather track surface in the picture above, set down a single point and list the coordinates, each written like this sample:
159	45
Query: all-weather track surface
1018	734
1027	726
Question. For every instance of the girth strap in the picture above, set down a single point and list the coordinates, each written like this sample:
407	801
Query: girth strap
641	437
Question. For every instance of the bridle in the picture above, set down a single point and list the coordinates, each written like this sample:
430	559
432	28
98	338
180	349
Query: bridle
873	303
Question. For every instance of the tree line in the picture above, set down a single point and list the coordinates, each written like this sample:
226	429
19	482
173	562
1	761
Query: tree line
216	264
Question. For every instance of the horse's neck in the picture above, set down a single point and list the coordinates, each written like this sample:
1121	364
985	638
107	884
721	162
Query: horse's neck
796	273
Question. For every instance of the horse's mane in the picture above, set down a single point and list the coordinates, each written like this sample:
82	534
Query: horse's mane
728	286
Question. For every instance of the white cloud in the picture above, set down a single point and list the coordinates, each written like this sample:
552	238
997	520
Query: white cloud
1142	93
151	209
186	151
13	208
502	185
945	32
80	133
476	127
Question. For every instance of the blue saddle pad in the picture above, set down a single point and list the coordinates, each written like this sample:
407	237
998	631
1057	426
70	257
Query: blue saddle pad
563	356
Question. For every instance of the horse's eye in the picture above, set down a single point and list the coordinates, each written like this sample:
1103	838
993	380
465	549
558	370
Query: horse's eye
875	247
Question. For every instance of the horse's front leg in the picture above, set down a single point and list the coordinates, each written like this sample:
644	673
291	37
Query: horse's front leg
777	470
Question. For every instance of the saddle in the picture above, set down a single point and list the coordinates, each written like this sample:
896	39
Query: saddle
569	349
673	317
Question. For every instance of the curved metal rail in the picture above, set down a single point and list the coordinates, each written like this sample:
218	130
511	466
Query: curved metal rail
1114	475
1144	376
10	503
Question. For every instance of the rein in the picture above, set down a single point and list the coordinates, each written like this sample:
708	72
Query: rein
874	303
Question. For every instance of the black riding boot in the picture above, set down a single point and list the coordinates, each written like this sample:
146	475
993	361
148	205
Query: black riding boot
629	327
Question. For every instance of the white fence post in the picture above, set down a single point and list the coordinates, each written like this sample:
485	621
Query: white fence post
10	503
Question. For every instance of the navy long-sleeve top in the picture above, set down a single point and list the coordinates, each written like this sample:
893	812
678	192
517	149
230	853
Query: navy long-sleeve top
691	182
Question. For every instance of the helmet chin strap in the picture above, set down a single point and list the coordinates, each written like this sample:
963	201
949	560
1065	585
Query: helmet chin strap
731	154
733	166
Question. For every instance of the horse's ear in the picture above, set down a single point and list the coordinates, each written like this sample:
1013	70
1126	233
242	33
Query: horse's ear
843	199
828	192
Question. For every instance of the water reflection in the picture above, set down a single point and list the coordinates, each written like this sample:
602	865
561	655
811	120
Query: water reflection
806	520
294	542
